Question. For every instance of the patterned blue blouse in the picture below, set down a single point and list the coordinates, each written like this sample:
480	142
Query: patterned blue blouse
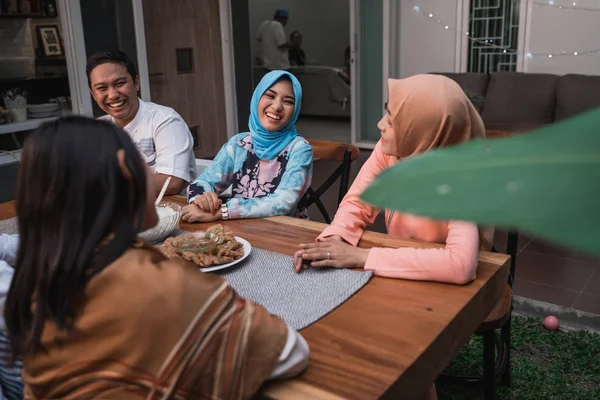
260	188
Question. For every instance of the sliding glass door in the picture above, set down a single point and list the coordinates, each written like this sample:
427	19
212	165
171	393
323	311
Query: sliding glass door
367	67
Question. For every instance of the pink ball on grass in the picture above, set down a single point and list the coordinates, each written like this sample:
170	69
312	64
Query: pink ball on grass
551	323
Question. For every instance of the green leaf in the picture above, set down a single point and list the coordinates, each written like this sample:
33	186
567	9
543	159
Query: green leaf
546	183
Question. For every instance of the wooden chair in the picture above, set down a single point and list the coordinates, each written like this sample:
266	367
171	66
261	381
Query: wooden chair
346	153
496	367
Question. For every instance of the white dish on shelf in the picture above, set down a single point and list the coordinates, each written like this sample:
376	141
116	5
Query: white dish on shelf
44	114
41	108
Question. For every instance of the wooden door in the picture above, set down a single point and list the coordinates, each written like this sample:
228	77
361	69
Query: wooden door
188	30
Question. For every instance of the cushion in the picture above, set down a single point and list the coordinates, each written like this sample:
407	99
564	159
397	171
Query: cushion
520	98
473	82
575	94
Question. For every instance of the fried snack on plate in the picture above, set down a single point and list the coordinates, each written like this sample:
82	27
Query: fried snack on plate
215	247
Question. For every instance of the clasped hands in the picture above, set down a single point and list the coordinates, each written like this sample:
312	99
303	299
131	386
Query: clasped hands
331	251
204	208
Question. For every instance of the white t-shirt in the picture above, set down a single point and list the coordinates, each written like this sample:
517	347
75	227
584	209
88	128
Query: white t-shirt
9	245
163	139
271	35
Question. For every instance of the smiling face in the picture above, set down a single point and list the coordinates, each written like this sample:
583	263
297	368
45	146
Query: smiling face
115	91
276	106
388	134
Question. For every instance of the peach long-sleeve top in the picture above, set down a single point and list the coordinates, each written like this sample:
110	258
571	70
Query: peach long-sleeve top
455	263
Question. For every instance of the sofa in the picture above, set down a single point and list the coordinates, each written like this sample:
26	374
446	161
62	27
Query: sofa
324	92
516	101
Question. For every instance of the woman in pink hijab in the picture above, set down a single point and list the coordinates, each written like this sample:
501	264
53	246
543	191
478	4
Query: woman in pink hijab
424	112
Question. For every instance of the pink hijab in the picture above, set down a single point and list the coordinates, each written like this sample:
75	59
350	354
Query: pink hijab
431	111
428	112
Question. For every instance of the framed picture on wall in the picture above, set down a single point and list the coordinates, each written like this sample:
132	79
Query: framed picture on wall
49	40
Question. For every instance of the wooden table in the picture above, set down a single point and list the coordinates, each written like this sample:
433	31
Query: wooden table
491	134
392	338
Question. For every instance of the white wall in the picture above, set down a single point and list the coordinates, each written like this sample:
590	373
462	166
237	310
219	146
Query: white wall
551	30
425	45
324	24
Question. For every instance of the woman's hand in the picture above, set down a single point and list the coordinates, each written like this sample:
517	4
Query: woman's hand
330	252
208	202
193	213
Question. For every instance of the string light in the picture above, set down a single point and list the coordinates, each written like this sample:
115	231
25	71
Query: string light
572	6
489	43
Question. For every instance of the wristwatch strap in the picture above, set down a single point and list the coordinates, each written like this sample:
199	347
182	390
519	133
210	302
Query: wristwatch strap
224	212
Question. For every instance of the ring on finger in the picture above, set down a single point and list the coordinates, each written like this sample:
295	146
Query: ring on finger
328	255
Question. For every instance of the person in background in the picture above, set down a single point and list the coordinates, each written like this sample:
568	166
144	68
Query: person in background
296	54
344	73
424	112
273	41
96	313
11	385
160	134
269	169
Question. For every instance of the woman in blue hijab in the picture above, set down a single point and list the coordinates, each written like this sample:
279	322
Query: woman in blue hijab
268	169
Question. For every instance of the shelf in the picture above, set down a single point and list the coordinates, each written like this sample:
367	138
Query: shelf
35	78
9	157
23	126
24	16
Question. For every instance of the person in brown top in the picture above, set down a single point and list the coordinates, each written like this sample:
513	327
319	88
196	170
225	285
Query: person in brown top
95	313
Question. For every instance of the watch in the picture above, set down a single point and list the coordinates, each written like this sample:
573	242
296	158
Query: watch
224	212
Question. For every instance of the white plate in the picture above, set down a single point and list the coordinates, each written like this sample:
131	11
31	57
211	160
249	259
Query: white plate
43	114
40	108
247	250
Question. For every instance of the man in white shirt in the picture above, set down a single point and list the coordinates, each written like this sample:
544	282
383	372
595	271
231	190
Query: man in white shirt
160	134
273	41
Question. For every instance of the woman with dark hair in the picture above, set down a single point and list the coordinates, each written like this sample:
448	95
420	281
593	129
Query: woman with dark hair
295	53
94	312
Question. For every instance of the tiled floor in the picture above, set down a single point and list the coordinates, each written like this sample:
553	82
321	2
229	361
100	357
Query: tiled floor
559	276
544	272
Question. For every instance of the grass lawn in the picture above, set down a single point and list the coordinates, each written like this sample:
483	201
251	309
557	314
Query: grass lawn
545	365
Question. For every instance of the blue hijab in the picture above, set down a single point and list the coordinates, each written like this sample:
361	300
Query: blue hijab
267	144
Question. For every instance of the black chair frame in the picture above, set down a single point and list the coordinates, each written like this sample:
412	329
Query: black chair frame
314	196
496	348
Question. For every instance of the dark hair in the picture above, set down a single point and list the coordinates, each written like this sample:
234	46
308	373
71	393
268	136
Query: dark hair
77	213
294	33
113	57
